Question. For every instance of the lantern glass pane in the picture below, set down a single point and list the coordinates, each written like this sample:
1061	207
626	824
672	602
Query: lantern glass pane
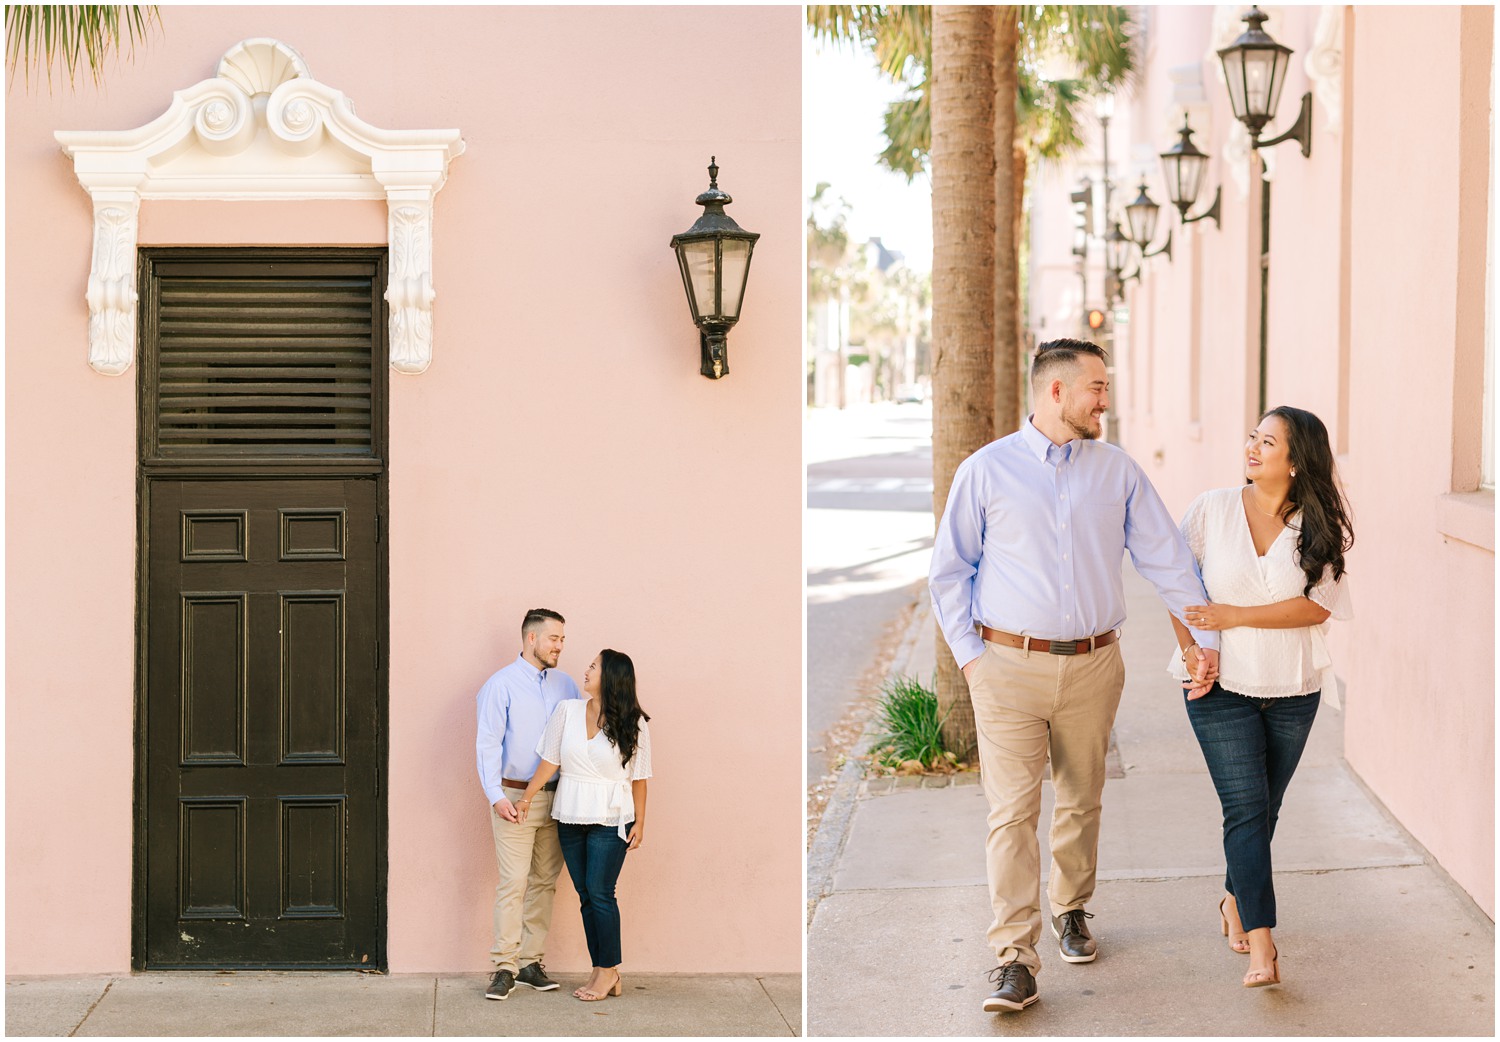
1184	175
698	263
1116	251
1141	218
1260	66
736	267
1277	75
1192	169
1234	78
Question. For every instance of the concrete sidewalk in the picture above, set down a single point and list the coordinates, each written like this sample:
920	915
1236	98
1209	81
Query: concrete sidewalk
1374	938
208	1003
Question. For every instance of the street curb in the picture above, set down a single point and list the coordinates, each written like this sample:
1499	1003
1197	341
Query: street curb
833	828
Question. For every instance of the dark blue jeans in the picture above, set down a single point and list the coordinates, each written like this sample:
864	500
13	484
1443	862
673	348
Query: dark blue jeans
1252	746
594	855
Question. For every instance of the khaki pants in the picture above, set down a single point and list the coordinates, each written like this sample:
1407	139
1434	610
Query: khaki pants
529	860
1027	705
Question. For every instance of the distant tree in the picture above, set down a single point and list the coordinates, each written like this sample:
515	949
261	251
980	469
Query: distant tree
830	271
38	36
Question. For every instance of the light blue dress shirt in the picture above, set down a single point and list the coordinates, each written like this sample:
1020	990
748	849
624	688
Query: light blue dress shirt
514	705
1034	536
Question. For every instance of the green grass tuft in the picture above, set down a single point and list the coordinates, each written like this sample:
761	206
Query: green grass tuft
913	727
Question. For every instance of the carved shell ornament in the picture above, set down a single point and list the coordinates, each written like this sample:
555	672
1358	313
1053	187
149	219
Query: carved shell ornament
200	148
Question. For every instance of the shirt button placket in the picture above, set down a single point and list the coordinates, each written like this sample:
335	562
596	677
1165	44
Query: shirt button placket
1066	598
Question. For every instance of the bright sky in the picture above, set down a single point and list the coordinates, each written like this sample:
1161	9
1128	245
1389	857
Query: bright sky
844	97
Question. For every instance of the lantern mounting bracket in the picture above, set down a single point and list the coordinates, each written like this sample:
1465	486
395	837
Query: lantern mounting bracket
1211	212
1300	132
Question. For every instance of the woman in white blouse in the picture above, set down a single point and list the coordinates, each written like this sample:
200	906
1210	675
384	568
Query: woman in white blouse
603	748
1272	556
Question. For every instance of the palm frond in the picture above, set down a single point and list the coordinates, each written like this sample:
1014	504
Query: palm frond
39	36
1095	41
1048	112
908	134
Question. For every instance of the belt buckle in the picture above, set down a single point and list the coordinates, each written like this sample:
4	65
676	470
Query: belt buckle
1055	647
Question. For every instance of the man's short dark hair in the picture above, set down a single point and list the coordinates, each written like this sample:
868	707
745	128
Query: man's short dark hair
1061	354
536	617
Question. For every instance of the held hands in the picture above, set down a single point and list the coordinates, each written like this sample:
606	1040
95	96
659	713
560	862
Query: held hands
1203	667
1213	616
637	833
506	810
523	808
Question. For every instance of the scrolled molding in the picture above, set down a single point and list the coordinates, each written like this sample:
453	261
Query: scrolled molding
261	128
111	290
409	288
1324	65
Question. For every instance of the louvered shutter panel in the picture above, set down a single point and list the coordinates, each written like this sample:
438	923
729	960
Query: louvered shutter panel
265	358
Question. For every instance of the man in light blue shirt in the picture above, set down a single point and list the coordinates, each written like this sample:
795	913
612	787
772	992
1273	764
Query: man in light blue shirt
513	706
1026	585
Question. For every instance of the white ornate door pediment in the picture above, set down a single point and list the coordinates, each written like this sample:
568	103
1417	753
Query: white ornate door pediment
261	128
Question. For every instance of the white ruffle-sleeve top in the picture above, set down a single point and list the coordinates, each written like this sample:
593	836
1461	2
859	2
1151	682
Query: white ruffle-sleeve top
593	786
1263	663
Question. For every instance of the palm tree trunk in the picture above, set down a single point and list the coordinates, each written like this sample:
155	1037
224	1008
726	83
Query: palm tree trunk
1007	223
1020	355
963	282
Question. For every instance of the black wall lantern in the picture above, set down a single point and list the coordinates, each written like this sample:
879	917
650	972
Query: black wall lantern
714	255
1184	166
1140	219
1255	69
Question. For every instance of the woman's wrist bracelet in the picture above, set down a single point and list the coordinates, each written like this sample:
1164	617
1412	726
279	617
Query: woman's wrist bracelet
1185	650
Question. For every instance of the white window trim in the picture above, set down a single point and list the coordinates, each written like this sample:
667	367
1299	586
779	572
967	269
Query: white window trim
261	129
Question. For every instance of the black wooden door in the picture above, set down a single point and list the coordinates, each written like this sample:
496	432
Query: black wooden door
262	773
260	823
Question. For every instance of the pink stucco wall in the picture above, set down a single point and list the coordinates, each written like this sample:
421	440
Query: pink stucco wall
1421	722
1376	323
561	450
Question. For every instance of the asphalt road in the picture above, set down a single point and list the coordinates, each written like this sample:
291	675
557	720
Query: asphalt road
867	541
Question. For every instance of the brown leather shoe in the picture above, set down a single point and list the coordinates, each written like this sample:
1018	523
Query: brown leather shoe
1016	991
1074	942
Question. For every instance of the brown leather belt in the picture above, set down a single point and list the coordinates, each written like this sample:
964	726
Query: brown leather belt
511	783
1050	647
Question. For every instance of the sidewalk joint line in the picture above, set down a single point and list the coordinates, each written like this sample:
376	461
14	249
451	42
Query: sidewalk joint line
1137	879
92	1006
771	999
434	1005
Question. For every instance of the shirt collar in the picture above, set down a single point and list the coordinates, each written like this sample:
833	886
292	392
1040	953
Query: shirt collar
542	673
1040	444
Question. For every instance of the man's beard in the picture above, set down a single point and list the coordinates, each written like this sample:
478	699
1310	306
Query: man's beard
1082	427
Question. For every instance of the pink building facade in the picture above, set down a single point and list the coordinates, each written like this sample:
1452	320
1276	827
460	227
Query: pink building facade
549	441
1379	319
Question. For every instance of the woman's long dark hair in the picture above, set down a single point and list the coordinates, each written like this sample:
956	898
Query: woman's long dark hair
1326	533
621	714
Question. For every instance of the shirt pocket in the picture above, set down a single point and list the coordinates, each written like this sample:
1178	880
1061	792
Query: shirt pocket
1105	516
